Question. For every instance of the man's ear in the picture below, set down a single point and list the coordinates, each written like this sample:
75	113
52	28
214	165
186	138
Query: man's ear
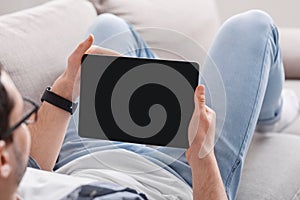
5	166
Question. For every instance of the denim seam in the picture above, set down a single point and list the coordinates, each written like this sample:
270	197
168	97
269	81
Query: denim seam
237	161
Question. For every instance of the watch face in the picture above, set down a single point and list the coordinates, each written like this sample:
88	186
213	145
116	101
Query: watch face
145	101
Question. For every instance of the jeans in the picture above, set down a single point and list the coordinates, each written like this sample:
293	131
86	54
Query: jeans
247	54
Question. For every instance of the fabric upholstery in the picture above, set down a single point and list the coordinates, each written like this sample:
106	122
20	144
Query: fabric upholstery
290	42
271	170
294	128
35	43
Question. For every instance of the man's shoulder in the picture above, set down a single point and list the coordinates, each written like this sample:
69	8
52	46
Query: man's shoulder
38	183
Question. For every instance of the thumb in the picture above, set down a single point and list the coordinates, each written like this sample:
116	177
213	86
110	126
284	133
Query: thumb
76	56
200	96
85	45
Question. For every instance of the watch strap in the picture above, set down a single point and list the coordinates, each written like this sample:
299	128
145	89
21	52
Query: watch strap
58	101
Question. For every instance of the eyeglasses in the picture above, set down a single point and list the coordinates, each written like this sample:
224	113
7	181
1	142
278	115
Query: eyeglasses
29	116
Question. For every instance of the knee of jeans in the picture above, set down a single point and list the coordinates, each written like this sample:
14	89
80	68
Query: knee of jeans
108	18
253	21
108	24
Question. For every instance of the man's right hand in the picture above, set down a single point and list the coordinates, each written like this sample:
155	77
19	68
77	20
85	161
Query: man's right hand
207	180
201	130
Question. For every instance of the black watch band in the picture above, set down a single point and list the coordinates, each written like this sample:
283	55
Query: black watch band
59	101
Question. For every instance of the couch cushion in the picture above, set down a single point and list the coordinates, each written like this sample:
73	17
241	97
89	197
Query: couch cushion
271	169
294	128
197	20
35	43
290	41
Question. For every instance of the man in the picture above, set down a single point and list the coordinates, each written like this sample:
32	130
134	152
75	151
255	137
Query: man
216	176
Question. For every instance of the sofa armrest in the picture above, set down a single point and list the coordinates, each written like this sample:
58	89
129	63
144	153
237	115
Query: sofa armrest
290	43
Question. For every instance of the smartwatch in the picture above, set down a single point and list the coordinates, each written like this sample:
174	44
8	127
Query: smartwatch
59	101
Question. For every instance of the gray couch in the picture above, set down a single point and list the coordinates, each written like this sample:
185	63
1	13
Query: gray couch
36	42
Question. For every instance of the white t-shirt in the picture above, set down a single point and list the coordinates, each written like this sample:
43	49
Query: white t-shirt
117	166
129	169
38	184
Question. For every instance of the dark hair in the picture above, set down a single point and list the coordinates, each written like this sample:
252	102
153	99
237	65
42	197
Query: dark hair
6	106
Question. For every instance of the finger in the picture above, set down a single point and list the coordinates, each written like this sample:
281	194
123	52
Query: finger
200	93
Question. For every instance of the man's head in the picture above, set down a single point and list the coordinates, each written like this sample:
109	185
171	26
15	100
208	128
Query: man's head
14	144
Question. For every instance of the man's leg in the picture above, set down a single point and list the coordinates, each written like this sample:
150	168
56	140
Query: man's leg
247	54
114	33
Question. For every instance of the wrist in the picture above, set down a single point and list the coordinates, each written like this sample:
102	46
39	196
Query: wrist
64	88
58	101
194	159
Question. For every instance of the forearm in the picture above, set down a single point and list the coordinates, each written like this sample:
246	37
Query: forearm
48	132
207	181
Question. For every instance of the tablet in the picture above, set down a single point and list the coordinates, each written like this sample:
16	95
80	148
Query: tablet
137	100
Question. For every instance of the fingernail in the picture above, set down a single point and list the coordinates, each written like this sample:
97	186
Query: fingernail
198	92
88	37
91	36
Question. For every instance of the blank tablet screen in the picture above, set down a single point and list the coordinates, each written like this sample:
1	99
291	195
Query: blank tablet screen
137	100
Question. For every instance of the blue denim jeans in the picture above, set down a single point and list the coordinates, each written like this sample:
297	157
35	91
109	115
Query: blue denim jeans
247	54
